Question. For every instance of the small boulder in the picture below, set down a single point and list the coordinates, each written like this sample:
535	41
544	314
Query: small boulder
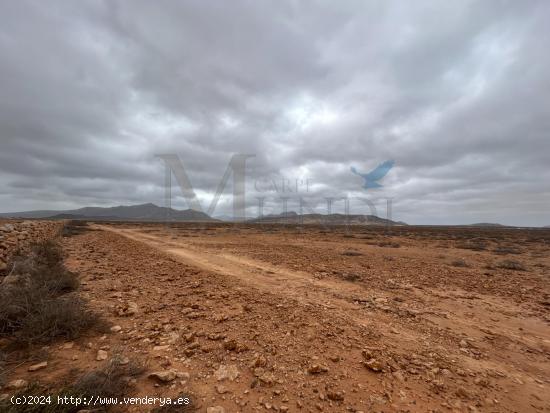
163	376
38	366
17	384
226	373
101	355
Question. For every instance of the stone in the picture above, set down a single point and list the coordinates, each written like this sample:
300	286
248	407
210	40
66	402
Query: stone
259	361
17	384
226	373
115	329
183	375
163	376
373	365
317	369
130	309
215	409
38	366
102	355
336	396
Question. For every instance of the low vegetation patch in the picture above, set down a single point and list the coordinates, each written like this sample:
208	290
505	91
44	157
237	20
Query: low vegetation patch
352	253
459	263
473	245
389	244
351	277
75	228
115	379
504	250
37	299
511	265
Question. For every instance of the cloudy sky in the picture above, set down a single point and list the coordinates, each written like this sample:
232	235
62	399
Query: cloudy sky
457	93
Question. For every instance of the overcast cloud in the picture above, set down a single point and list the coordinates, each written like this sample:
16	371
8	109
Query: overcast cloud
457	93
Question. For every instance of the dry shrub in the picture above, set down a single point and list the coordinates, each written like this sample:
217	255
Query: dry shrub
75	228
473	245
34	304
459	263
505	250
352	253
65	317
389	244
112	380
351	277
511	265
43	268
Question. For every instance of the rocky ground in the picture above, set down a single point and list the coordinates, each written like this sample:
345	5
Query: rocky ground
283	318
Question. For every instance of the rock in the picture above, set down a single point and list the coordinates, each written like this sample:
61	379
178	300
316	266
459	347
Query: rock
463	393
230	345
336	396
102	355
123	361
17	384
398	376
215	409
130	309
480	381
116	329
163	376
317	369
38	366
183	375
267	379
373	365
259	361
221	389
226	372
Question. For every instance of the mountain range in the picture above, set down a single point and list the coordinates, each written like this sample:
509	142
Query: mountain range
334	219
143	212
152	212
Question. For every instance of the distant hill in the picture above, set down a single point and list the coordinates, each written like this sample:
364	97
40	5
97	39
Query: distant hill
292	217
143	212
486	224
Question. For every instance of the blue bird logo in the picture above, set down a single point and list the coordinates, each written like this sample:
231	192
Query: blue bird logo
375	175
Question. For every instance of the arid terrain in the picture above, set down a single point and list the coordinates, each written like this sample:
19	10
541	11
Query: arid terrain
252	318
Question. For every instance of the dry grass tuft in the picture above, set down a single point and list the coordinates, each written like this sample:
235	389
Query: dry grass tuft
459	263
511	265
112	380
36	299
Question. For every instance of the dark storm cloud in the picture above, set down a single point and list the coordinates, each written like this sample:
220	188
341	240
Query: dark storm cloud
454	92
